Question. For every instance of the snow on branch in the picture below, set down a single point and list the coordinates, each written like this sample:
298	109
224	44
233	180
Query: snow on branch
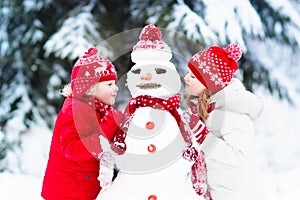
292	27
193	24
230	22
77	33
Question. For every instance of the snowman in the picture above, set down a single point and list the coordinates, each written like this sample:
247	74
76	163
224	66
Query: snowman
152	166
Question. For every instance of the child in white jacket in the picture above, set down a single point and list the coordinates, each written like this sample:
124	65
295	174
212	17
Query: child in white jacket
232	164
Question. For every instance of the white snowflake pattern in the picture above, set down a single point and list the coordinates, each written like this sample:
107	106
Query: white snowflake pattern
214	77
196	58
202	64
219	82
206	69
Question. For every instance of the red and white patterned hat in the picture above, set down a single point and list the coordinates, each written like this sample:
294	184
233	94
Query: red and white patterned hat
151	49
91	68
214	67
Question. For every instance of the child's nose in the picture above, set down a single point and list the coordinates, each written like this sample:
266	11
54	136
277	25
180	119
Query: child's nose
146	77
186	78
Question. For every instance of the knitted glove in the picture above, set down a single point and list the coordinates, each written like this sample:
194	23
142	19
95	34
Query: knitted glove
198	175
118	144
195	123
198	128
106	172
190	154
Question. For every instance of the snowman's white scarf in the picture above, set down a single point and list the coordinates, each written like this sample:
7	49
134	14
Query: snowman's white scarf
171	104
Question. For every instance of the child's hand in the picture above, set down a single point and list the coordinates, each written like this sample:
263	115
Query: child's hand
196	125
198	128
118	144
190	154
198	175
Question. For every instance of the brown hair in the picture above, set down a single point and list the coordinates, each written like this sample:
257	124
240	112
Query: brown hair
203	103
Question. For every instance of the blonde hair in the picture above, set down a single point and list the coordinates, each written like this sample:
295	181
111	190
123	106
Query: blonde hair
203	103
66	91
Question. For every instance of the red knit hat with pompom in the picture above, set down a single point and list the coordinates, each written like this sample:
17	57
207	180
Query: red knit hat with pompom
151	49
151	38
91	68
214	67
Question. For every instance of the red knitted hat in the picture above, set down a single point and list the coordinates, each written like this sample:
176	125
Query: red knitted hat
151	49
151	38
214	67
91	68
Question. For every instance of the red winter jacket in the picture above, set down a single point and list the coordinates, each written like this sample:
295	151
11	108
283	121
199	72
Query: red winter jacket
73	168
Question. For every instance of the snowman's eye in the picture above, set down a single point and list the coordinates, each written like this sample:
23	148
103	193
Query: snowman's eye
160	70
136	71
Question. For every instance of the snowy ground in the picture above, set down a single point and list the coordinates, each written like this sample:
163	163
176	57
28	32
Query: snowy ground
20	187
278	135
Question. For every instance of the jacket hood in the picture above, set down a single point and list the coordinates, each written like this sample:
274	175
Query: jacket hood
235	98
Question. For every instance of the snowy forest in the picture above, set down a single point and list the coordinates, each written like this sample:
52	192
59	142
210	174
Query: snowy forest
41	40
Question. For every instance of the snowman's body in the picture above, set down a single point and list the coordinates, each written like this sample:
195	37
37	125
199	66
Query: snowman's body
164	172
152	166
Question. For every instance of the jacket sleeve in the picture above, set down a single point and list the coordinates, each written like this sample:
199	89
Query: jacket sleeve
79	149
236	98
230	150
110	124
78	139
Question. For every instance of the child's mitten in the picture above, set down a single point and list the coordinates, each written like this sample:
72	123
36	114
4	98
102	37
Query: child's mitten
118	144
198	175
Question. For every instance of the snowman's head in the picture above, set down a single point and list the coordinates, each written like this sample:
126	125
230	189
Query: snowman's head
153	74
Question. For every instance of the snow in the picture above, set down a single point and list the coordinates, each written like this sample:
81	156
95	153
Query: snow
20	186
193	23
278	136
233	20
79	31
32	5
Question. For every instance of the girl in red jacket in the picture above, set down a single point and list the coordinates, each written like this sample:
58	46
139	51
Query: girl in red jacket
87	113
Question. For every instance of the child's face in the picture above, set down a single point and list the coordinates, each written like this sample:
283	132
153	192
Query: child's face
192	85
106	92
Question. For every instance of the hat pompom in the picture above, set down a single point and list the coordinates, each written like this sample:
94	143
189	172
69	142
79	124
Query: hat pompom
234	51
150	32
90	52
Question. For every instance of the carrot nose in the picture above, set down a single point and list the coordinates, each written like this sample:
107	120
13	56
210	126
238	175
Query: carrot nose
147	77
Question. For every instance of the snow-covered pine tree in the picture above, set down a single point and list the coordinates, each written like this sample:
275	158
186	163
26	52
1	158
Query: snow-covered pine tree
25	75
40	40
23	72
251	23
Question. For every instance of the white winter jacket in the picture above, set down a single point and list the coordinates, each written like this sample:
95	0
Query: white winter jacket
233	169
